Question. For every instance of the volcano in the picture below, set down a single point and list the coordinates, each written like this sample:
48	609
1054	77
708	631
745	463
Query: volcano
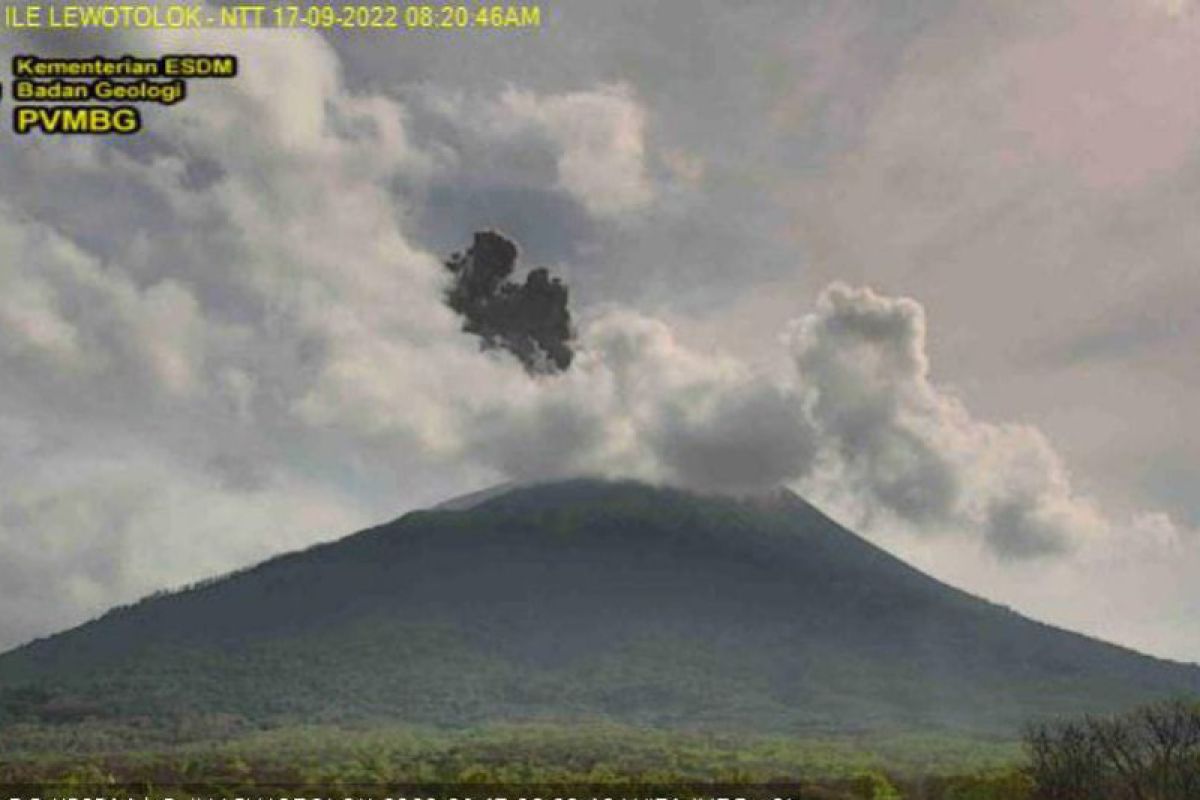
585	600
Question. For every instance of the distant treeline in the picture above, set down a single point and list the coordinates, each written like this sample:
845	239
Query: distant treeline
220	756
1152	753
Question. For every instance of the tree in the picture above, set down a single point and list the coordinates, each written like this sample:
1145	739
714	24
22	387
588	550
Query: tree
1152	753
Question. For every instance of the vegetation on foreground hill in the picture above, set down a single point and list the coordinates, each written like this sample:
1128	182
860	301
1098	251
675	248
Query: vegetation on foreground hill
1152	753
344	762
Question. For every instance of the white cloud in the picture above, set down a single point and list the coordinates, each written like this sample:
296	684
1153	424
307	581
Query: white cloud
600	139
911	450
64	313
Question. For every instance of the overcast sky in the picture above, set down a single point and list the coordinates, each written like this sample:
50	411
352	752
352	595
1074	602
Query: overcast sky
930	263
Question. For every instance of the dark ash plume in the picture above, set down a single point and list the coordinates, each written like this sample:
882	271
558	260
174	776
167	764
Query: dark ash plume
529	320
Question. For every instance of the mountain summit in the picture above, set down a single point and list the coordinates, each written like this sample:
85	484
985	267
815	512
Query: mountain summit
585	600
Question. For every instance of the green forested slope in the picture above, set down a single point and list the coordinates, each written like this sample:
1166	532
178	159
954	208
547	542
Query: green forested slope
583	600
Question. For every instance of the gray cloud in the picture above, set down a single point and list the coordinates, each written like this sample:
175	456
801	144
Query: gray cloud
912	450
751	438
864	357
